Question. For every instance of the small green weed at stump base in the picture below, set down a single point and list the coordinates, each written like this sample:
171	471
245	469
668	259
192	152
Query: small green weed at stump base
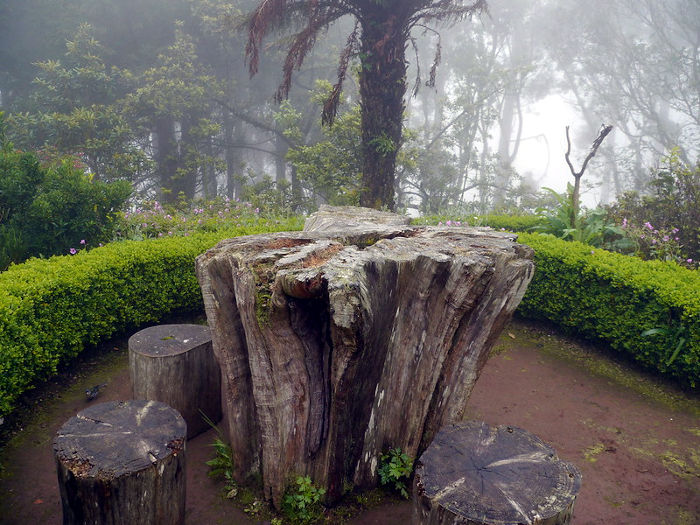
303	503
394	468
221	466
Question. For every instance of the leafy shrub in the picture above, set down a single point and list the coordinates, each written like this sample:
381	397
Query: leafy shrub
51	309
649	242
671	204
614	298
302	504
47	210
395	468
153	220
586	226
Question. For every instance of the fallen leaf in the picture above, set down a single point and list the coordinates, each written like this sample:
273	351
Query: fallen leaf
512	336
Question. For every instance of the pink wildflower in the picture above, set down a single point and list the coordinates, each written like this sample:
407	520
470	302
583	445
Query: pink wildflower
73	251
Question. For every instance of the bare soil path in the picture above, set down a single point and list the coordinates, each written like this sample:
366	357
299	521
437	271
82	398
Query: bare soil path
636	440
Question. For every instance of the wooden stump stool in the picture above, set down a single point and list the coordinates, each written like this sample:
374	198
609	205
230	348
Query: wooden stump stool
122	462
175	364
481	475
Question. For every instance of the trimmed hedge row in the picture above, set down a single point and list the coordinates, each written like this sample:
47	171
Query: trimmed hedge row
615	298
514	223
50	309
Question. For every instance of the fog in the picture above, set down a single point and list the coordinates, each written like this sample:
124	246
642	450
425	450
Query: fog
157	92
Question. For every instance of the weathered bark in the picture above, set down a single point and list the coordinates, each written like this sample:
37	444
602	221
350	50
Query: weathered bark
122	462
482	475
336	345
344	218
175	364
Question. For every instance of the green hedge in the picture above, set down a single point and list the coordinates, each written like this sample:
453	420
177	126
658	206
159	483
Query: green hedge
50	309
514	223
615	298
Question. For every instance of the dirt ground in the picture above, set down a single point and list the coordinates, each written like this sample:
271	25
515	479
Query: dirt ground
636	440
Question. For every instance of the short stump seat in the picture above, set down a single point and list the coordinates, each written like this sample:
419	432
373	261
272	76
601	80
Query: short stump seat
122	462
480	475
175	364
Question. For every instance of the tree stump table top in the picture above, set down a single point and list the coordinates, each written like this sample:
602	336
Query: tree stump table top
169	339
495	476
109	440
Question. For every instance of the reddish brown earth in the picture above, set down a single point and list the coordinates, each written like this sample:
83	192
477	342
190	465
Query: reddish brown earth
636	441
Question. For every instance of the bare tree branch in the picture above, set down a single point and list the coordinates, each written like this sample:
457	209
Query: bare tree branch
576	196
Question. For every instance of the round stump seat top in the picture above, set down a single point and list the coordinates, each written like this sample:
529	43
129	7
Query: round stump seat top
112	439
169	339
497	475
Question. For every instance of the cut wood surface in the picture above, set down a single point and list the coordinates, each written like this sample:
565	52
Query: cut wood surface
175	364
481	475
338	344
122	462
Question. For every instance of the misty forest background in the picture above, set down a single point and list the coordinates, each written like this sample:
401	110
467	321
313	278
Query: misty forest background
156	93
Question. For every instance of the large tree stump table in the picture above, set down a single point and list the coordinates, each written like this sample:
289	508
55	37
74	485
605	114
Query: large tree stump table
122	462
175	364
480	475
357	335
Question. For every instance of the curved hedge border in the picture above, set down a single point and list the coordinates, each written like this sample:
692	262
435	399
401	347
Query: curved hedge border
615	298
50	309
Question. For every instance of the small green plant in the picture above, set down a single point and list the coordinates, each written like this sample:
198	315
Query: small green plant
383	144
221	466
303	503
254	508
677	336
395	468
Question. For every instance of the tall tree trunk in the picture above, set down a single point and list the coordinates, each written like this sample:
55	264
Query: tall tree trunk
382	90
209	172
502	175
185	178
281	148
233	136
297	195
166	156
